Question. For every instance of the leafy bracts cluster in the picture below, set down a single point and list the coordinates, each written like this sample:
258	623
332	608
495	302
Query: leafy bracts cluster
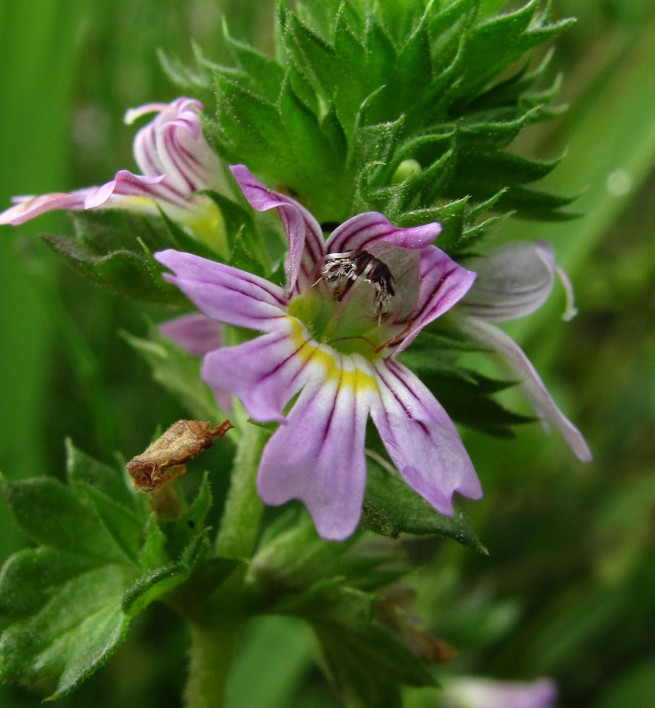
407	108
101	558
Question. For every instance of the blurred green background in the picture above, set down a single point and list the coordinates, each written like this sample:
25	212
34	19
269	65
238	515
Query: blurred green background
568	590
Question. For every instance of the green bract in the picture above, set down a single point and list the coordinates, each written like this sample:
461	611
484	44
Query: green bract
403	107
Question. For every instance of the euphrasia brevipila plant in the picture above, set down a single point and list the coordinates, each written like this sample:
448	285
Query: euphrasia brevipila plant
380	134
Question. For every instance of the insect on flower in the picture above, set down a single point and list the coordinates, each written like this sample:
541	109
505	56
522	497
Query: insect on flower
345	270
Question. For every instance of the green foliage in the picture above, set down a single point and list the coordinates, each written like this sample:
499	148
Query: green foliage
467	395
361	87
366	662
72	598
392	508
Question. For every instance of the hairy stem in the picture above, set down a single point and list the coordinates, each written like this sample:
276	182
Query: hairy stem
243	507
215	632
212	650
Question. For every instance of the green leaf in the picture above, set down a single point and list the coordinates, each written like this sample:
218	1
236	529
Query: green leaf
121	271
250	123
498	42
365	660
70	601
490	7
466	395
83	534
265	73
156	583
392	508
65	596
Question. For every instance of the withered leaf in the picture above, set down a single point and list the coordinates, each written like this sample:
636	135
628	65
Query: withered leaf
163	460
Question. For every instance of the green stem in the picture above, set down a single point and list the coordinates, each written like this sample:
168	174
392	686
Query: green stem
243	507
212	650
215	632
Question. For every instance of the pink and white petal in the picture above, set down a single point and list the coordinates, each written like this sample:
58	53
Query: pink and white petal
173	144
318	458
512	358
26	208
265	373
195	333
224	293
306	244
184	153
371	229
134	192
443	283
513	281
177	105
421	439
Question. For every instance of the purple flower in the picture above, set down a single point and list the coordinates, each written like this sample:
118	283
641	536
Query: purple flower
328	343
176	162
474	692
513	281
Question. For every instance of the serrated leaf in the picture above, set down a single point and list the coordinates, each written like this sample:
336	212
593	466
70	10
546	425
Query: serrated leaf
121	271
181	535
83	533
192	81
448	29
84	470
249	121
365	660
70	600
466	397
312	55
495	135
41	570
69	616
109	495
156	583
537	204
490	7
72	635
496	43
265	73
391	508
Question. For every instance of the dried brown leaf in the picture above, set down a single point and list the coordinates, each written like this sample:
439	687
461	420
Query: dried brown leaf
164	459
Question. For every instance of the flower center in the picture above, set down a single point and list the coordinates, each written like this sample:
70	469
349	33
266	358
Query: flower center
350	303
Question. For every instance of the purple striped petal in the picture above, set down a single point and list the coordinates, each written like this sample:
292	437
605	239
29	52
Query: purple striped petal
126	186
421	439
442	283
364	231
173	144
195	333
513	281
26	208
265	373
477	692
172	153
224	293
512	358
177	106
306	245
318	457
